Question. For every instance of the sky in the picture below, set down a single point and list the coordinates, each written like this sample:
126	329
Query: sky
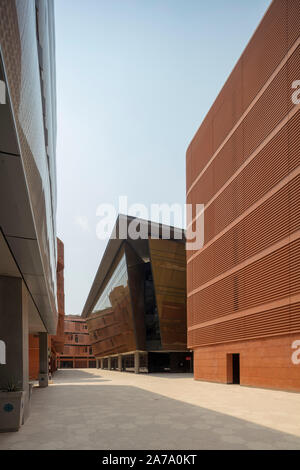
135	79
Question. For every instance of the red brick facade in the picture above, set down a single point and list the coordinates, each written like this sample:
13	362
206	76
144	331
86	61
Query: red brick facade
265	362
243	164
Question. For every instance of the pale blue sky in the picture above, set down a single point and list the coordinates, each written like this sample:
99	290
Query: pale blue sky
135	78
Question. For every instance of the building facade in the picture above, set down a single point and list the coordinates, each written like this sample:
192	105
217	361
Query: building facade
55	343
243	286
28	255
77	351
136	309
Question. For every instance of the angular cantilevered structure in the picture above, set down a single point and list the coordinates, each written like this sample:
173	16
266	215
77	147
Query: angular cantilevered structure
136	309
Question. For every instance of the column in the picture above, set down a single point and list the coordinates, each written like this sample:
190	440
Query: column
97	363
136	362
14	305
109	363
43	352
101	364
120	363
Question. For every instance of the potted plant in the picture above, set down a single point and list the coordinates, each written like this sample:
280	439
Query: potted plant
12	399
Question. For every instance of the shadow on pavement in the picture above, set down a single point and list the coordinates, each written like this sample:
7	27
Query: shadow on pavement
103	416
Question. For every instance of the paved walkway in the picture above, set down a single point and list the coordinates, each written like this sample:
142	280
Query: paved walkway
96	409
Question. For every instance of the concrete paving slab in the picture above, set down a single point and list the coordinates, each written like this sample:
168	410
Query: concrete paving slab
97	409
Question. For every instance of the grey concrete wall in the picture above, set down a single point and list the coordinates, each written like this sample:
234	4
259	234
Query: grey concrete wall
14	332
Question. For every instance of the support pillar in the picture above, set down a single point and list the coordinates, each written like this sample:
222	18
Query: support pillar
136	362
14	305
97	364
109	363
120	363
101	364
44	365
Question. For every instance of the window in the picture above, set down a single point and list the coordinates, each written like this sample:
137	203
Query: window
119	278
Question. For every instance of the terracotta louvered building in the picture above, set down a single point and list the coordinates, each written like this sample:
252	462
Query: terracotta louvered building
77	351
243	285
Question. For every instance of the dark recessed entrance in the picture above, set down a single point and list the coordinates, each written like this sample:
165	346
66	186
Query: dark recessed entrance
235	368
66	364
158	362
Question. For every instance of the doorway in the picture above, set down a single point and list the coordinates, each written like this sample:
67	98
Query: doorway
235	368
158	362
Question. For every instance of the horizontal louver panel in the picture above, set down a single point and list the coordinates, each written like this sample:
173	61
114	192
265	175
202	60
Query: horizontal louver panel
284	320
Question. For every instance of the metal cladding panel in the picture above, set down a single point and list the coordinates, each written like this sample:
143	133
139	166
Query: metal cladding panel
245	281
46	41
168	262
136	282
34	112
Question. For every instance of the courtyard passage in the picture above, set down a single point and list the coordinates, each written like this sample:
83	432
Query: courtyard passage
97	409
